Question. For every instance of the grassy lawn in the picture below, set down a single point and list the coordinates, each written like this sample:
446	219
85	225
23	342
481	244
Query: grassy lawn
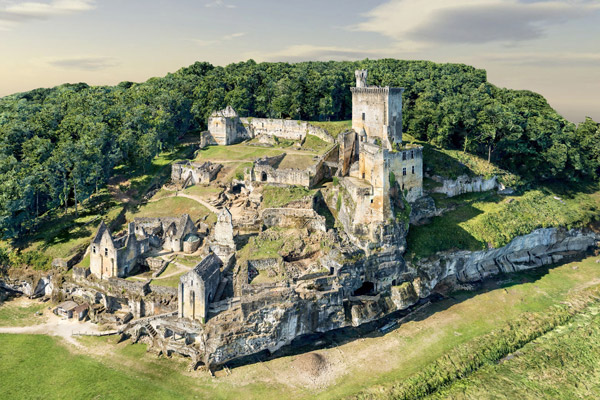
562	364
60	374
486	218
172	281
275	196
316	144
334	128
297	161
263	277
15	313
236	152
188	261
201	190
170	207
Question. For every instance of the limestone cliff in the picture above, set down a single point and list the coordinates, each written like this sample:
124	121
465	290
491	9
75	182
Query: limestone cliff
541	247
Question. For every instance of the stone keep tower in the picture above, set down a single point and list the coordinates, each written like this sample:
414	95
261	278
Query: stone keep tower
377	111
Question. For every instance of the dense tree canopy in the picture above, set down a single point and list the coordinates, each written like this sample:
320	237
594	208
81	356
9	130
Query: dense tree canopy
57	146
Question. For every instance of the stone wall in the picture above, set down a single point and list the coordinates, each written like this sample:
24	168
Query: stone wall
194	173
407	167
372	111
282	128
465	184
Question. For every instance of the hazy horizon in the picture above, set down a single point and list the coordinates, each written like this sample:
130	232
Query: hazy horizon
547	46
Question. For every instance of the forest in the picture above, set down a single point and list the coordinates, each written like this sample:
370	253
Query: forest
59	146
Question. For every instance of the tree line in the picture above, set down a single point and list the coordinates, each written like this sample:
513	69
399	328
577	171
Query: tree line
58	146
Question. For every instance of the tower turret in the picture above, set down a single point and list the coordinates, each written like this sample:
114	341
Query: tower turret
361	78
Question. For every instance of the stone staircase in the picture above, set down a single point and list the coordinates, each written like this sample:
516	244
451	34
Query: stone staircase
151	331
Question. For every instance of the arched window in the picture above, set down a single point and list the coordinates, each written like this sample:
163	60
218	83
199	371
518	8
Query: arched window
263	177
413	169
403	171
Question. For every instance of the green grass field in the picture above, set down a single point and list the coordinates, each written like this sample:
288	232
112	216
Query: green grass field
168	207
563	364
14	314
275	196
236	152
334	128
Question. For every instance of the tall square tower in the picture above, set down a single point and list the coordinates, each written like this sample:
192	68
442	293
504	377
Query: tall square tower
377	111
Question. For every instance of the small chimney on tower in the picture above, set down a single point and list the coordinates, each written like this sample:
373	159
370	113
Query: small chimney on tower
361	77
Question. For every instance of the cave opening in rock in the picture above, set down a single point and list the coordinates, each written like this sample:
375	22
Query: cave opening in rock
367	289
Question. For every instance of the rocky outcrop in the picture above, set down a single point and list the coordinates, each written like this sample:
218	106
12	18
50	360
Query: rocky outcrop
404	295
422	210
541	247
464	184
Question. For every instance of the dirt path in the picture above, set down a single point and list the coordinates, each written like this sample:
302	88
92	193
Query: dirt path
55	326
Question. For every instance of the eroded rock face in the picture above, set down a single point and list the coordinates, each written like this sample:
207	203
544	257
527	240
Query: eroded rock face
541	247
404	295
464	184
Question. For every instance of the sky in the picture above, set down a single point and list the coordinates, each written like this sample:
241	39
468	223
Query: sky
549	46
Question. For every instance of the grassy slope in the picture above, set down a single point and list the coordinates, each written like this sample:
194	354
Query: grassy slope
275	196
563	364
12	314
168	207
479	219
333	127
62	235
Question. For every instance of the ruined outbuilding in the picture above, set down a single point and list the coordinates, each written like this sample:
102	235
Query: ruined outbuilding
197	288
116	257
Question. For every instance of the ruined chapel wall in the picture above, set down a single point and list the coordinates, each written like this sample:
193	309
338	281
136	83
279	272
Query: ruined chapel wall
268	174
282	128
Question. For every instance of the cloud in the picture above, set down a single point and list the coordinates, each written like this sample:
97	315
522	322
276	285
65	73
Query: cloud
83	63
219	4
305	52
212	42
234	35
418	23
14	13
551	59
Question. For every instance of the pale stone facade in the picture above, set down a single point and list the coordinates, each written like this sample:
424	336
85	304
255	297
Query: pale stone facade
373	160
169	233
377	111
188	173
223	244
116	257
198	287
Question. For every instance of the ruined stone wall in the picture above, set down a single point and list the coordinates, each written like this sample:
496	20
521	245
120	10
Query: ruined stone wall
223	130
282	128
201	173
348	151
268	174
465	184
